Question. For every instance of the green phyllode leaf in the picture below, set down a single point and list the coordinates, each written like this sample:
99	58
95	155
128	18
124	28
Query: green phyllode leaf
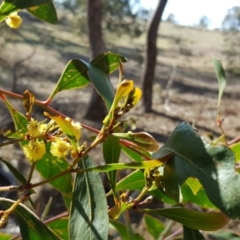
111	154
221	78
123	231
18	175
74	76
194	184
135	156
60	227
9	6
154	226
4	236
189	233
213	166
236	149
210	221
78	74
46	12
88	214
142	139
108	62
102	85
31	227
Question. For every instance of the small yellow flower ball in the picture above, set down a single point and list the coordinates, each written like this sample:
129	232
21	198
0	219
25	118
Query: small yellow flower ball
13	20
33	128
43	128
60	148
34	150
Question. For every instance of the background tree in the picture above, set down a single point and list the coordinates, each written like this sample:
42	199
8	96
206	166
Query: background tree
231	27
171	19
151	56
96	108
204	22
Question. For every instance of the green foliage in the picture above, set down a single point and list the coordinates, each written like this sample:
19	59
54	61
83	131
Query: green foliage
154	226
189	233
31	226
186	169
88	214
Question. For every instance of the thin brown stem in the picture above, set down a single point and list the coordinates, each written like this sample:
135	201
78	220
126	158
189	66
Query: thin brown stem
233	141
61	215
31	172
166	231
175	234
66	171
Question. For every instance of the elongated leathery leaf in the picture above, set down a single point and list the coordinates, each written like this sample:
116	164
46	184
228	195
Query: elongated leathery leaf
46	12
18	175
210	221
60	227
4	236
212	165
9	6
76	75
123	231
142	139
221	79
193	234
236	149
154	226
111	154
102	84
73	76
88	215
108	62
31	226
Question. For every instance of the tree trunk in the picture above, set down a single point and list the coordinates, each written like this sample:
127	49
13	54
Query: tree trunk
151	56
96	109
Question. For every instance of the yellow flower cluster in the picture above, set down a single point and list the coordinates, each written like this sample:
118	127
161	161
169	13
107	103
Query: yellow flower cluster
13	20
35	149
60	148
